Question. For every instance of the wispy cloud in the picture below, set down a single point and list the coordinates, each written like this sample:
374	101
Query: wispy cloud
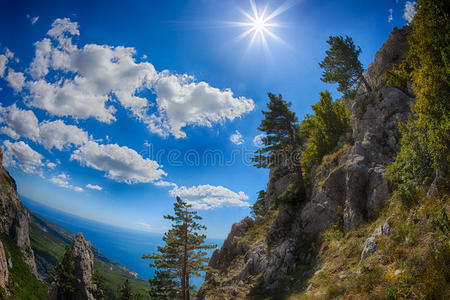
390	16
237	138
409	11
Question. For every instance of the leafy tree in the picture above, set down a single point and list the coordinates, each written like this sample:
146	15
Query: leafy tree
323	129
162	287
259	208
428	66
282	143
341	65
125	291
183	254
64	276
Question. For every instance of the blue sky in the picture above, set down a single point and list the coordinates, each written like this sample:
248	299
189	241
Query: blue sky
111	108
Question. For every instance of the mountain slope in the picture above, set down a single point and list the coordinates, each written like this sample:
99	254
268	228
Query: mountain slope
307	250
49	240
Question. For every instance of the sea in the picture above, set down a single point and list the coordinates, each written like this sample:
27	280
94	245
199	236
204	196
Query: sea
122	245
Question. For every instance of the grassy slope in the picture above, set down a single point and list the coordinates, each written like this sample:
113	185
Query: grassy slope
22	283
49	241
411	263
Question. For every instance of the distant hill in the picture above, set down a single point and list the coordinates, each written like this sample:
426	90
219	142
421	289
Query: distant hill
49	240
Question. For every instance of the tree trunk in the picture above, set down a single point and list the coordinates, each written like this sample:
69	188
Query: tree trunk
186	275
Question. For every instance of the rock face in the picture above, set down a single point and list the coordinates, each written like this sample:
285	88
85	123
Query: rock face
348	188
83	271
4	274
14	217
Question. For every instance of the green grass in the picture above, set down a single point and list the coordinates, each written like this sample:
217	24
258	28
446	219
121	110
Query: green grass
22	283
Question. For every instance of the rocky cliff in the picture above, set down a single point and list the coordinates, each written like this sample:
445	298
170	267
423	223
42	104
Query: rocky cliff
348	188
83	271
14	218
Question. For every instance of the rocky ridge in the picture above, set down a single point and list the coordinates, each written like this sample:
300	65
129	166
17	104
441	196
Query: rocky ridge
347	188
83	271
14	219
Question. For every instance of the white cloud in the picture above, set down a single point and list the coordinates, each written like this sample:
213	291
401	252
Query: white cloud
62	180
390	16
257	140
51	165
59	135
23	123
3	62
19	123
181	101
209	197
21	155
94	187
144	226
16	80
34	20
120	163
164	183
94	75
409	11
237	138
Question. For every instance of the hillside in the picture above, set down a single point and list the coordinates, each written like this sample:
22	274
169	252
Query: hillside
49	241
355	234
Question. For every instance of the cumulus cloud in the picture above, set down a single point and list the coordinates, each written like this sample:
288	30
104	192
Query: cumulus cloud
390	15
62	180
19	123
94	187
257	140
94	76
16	80
209	196
59	135
51	165
23	123
23	156
237	138
3	63
409	11
120	163
181	101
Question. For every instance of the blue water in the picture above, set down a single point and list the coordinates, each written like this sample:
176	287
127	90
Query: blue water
125	246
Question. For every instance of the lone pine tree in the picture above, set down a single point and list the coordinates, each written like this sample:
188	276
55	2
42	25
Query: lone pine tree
342	66
183	254
64	277
282	142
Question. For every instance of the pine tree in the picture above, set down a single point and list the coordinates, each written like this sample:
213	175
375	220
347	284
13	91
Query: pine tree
341	65
64	277
259	208
282	142
125	291
183	254
161	287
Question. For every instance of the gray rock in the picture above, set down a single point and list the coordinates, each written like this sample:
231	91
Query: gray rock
370	246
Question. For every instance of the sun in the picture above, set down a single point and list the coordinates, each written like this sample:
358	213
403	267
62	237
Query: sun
259	23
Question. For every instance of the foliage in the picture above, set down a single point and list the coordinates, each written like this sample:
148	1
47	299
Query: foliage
161	287
22	283
64	276
341	64
183	254
282	143
323	129
291	194
125	291
428	63
99	281
259	208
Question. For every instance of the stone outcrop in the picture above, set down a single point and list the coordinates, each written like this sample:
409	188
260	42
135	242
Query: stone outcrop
347	189
370	245
14	218
4	273
83	271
